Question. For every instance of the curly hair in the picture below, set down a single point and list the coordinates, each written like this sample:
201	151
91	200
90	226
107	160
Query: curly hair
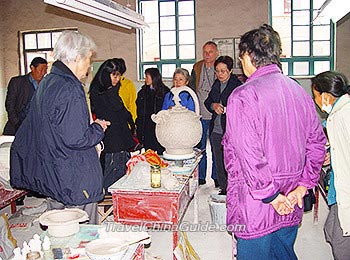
263	45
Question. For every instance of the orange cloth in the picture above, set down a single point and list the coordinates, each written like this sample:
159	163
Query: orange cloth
149	156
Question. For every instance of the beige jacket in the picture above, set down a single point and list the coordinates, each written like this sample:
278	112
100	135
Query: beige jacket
338	129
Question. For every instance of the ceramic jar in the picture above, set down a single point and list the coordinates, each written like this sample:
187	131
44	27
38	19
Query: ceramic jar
178	129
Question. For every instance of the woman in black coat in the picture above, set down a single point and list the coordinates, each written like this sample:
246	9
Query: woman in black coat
106	104
149	101
216	103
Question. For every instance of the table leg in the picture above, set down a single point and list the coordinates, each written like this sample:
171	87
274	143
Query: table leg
13	207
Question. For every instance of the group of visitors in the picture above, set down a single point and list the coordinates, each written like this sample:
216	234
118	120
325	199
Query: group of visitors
267	142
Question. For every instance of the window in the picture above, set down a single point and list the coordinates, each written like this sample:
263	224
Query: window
170	41
38	44
307	42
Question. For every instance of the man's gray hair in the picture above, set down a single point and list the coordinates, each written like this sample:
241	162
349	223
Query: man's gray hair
72	44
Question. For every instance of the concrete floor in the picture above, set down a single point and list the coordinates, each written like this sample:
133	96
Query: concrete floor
310	243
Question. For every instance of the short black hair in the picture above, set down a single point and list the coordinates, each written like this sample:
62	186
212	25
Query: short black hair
121	61
37	61
226	60
332	82
263	45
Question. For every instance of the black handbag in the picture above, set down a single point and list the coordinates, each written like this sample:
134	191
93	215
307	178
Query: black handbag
309	200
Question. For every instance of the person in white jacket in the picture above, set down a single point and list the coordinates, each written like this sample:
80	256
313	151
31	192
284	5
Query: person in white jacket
331	93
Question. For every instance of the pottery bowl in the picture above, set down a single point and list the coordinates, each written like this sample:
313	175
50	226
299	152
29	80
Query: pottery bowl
63	223
105	249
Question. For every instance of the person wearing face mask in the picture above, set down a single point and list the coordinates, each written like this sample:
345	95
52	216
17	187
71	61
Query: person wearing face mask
216	103
107	104
332	94
181	78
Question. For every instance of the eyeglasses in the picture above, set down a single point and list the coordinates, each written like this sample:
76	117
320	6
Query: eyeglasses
221	71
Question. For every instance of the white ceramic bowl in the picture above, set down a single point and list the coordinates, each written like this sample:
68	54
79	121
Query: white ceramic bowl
64	222
105	249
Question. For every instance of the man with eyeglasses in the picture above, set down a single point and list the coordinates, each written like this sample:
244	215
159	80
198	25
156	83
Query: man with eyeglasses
202	79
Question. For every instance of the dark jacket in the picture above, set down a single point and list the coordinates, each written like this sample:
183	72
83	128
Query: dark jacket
54	149
109	106
148	103
19	93
215	96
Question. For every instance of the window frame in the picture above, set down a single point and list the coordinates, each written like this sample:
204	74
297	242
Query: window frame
311	59
24	52
177	61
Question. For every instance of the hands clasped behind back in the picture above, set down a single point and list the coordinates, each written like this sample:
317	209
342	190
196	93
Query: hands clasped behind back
284	205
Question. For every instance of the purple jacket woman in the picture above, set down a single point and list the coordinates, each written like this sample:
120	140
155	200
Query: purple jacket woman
261	120
274	147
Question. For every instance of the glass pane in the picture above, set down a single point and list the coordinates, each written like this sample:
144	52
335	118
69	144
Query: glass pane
150	44
285	68
301	49
321	48
318	3
321	19
31	55
301	68
30	41
55	37
168	70
44	40
321	32
281	22
167	23
186	7
301	33
321	66
150	36
187	52
166	8
301	17
189	67
186	22
167	37
168	52
301	4
186	37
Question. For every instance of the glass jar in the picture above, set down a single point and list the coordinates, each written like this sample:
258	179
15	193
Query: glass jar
155	176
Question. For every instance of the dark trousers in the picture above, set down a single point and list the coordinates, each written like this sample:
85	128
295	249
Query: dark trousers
114	168
218	154
278	245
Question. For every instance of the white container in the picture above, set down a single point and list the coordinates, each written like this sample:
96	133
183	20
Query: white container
178	129
105	249
217	205
64	222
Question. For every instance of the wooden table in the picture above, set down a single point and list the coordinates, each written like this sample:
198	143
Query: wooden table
155	208
9	197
